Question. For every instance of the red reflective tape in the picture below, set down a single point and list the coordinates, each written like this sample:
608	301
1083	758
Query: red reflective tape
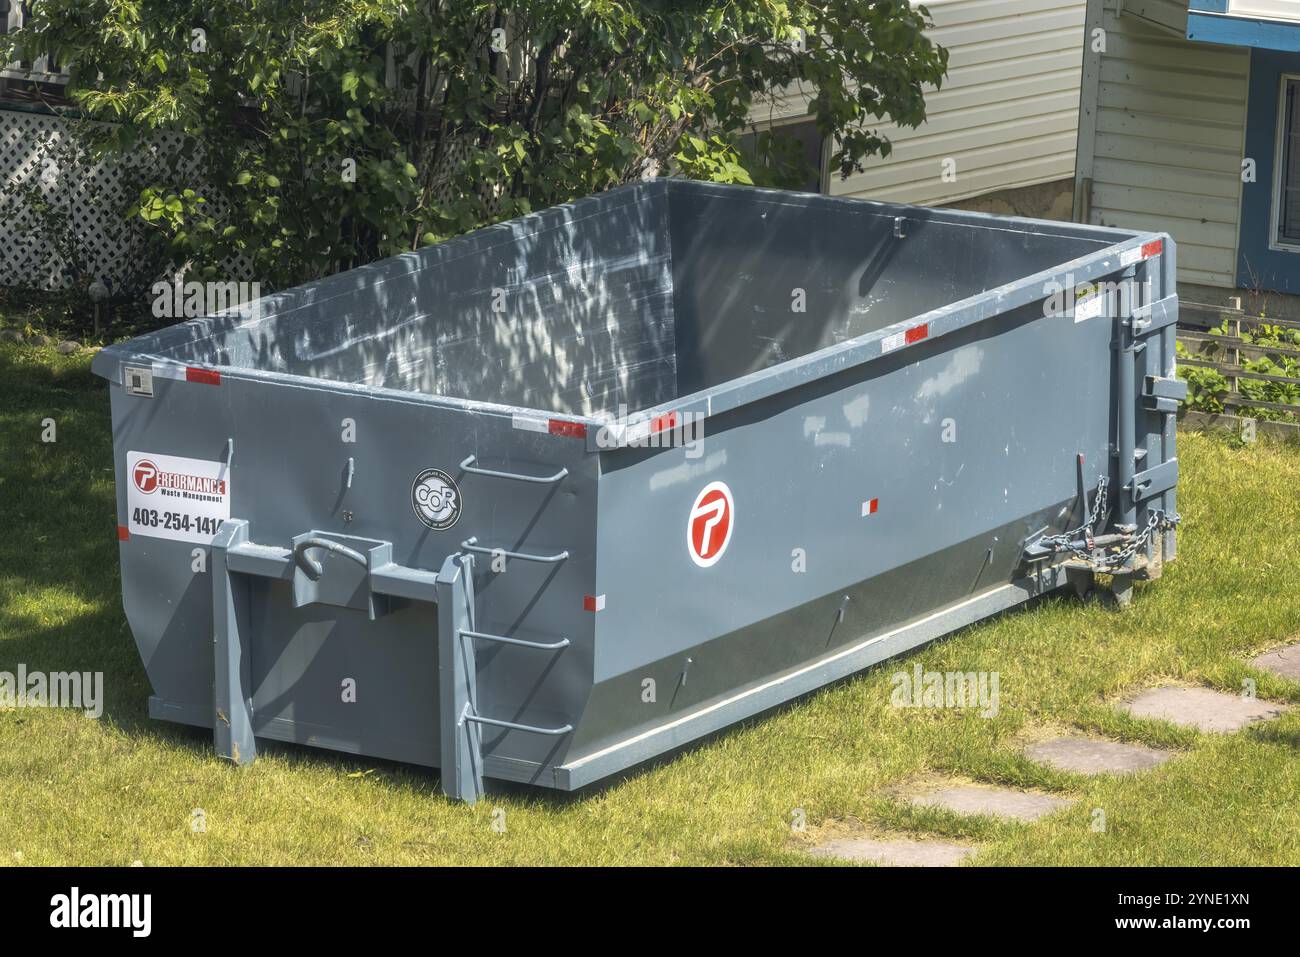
206	376
662	423
123	533
593	602
917	333
870	507
574	430
1153	248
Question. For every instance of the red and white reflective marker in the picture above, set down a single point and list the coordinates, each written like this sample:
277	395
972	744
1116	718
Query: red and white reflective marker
905	338
709	530
1139	253
870	507
593	602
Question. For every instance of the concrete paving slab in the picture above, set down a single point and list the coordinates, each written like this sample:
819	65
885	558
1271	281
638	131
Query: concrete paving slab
1283	661
996	802
896	853
1202	708
1093	756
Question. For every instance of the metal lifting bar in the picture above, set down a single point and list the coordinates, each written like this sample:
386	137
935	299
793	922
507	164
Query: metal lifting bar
469	466
470	546
536	645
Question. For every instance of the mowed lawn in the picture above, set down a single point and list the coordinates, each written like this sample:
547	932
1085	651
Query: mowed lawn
122	789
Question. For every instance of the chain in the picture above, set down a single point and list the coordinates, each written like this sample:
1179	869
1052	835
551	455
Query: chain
1157	521
1067	541
1079	542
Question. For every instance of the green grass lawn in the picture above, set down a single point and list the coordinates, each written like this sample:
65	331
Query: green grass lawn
120	789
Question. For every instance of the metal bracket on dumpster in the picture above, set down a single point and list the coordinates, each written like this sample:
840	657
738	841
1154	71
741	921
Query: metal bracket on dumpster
1161	394
341	575
1155	316
461	744
1154	480
324	567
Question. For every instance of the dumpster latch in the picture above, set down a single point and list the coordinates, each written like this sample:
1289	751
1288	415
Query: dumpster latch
1112	551
1161	394
1154	480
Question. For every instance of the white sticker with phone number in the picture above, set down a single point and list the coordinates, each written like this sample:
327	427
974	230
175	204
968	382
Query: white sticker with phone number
178	498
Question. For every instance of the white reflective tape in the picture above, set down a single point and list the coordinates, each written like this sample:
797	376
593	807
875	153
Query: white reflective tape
896	341
1131	256
530	423
169	370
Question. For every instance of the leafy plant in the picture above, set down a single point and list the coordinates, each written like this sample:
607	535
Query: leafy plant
1208	387
333	132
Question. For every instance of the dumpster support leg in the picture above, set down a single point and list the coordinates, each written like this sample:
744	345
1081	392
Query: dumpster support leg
461	740
233	719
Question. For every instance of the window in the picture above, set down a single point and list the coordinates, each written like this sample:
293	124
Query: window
1288	179
786	155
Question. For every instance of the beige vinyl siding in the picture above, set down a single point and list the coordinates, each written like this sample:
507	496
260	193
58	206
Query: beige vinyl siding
1007	113
1167	147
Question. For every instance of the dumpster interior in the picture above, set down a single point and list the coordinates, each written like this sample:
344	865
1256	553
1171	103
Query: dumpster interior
629	299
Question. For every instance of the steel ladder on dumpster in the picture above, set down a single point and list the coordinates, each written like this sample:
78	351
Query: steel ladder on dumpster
369	563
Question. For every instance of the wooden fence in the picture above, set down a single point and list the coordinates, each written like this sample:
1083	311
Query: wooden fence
1213	337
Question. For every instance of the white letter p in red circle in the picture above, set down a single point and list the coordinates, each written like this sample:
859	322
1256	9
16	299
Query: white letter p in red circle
709	530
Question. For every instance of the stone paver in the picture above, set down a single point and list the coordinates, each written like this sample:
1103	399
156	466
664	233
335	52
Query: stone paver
1284	662
1202	708
1091	756
896	853
997	802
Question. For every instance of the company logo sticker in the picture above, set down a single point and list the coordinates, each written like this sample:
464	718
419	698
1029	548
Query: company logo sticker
145	475
168	496
435	499
709	530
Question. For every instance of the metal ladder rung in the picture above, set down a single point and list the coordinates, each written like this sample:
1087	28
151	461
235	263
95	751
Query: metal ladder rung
469	466
538	645
469	545
515	725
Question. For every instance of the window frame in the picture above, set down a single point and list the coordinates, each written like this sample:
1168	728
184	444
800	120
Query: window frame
1275	239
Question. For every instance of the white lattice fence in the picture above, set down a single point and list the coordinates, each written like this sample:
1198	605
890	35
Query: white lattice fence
90	198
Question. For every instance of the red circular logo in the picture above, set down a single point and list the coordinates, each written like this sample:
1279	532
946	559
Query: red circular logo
145	476
709	530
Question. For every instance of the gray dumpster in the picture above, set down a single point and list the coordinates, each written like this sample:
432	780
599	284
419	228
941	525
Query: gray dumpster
566	493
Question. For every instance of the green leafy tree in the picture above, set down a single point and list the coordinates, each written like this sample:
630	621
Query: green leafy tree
334	132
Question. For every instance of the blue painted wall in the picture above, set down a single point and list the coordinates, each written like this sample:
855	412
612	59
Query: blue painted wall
1208	22
1256	262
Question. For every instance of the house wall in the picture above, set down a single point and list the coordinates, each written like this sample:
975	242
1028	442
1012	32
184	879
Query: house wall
1007	113
1161	141
1262	262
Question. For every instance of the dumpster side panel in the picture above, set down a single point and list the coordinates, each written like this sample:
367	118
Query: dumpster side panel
866	499
568	310
322	673
761	278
